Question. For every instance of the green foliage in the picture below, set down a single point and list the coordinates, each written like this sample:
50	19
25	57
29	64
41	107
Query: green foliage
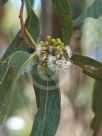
3	71
96	106
48	101
20	62
31	3
32	25
16	62
89	66
76	7
92	67
63	12
95	10
2	2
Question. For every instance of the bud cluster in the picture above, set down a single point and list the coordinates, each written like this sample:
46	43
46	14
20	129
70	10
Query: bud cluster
54	54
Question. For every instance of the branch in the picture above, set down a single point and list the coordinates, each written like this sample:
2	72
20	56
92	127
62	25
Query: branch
29	3
21	19
22	35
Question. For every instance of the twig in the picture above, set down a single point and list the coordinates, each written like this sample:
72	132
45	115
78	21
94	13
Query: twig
29	3
21	20
23	29
22	35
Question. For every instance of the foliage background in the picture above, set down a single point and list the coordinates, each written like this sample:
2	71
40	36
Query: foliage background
76	88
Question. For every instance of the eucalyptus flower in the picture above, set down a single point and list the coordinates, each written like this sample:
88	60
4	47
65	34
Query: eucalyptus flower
68	50
38	50
53	54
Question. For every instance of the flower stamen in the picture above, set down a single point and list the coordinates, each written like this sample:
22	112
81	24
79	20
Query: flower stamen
51	53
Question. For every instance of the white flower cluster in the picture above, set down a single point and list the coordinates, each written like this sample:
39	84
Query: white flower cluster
54	63
68	51
53	54
38	50
59	64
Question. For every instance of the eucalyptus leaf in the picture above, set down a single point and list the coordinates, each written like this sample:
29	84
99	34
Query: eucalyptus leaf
32	25
31	3
97	107
89	66
3	71
95	10
48	101
2	2
19	63
63	12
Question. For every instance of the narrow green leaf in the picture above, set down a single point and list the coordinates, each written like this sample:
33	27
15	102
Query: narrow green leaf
31	2
89	66
32	25
93	68
20	62
48	101
63	12
3	71
97	107
95	10
76	7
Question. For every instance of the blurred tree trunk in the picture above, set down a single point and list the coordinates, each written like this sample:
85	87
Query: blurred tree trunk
46	18
49	22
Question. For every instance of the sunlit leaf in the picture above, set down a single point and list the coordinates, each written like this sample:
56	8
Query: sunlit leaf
48	101
93	68
19	63
63	12
3	71
89	66
32	25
